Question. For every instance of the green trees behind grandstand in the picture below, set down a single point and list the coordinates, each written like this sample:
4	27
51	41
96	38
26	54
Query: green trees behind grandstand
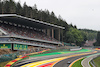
98	39
74	36
70	34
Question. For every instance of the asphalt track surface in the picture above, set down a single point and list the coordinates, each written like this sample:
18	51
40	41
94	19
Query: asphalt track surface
85	62
64	63
60	64
36	59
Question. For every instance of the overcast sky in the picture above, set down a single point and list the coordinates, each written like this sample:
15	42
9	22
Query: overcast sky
82	13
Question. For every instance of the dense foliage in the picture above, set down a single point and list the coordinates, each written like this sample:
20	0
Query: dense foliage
70	34
98	39
90	34
74	36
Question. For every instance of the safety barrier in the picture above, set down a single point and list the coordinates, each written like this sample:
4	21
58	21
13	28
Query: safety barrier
75	49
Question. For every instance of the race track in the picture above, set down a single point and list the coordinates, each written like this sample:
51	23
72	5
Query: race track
43	61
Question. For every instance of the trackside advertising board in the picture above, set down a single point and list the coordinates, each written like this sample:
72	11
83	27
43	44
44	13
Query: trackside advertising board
20	47
5	46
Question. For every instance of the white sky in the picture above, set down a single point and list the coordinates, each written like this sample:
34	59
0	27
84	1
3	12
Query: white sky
82	13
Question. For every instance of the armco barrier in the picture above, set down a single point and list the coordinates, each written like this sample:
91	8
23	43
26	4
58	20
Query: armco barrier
74	49
11	63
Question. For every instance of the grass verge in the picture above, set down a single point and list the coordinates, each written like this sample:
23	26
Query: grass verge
96	61
90	64
2	64
58	52
48	52
78	63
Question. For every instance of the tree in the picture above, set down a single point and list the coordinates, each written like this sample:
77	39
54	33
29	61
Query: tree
35	12
74	36
18	8
98	39
25	10
4	6
90	34
0	6
12	6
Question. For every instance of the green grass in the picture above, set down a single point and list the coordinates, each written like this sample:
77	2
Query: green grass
90	64
78	63
97	61
50	52
2	64
60	52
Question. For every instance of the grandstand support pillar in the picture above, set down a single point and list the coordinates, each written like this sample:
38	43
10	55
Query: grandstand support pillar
44	31
62	37
59	34
48	32
52	33
0	33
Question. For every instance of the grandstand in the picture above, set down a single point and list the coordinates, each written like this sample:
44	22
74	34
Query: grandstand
19	33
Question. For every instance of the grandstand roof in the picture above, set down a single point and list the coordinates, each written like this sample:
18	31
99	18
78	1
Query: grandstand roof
17	19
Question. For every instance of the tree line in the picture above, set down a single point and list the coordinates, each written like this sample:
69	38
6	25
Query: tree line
98	39
70	34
